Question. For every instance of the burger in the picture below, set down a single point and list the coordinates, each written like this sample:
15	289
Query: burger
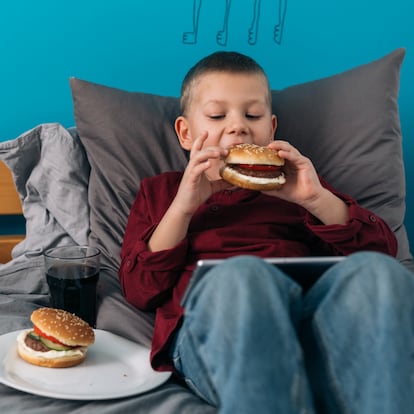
253	167
58	339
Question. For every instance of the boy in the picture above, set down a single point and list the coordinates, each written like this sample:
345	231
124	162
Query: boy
249	339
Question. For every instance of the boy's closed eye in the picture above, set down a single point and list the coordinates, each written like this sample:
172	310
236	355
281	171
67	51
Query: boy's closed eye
222	116
253	116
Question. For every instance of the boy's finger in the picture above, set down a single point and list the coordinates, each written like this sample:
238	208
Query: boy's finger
198	142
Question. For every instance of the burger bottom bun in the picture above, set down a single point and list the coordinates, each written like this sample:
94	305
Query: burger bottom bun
63	361
251	183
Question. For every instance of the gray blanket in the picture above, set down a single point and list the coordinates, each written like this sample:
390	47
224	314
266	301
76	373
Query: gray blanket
51	173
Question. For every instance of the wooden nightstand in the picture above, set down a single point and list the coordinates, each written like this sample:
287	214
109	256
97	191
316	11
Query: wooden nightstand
9	205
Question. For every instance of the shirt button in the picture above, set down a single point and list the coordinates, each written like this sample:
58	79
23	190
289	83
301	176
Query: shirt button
373	218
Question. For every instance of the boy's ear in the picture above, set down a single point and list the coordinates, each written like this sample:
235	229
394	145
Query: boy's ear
274	125
183	132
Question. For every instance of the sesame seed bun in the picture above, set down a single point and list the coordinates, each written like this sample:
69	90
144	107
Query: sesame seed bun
64	326
253	154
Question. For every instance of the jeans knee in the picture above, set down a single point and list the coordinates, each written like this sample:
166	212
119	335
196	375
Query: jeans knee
237	275
244	262
247	272
379	267
370	258
371	276
248	281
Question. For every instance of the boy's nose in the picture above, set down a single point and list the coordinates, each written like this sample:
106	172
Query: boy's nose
237	126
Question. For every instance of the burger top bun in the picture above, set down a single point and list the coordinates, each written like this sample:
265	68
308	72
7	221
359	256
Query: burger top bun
253	154
64	326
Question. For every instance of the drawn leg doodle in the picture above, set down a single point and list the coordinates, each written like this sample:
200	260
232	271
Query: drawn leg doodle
223	34
254	27
278	31
191	37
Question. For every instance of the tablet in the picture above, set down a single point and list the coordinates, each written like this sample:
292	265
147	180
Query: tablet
304	270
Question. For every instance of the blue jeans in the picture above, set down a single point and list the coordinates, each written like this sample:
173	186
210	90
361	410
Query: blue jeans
253	342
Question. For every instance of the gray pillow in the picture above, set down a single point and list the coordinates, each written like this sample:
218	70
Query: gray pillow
51	172
348	124
127	136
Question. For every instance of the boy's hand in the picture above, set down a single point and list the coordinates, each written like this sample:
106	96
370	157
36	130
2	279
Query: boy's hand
304	188
194	189
195	186
302	182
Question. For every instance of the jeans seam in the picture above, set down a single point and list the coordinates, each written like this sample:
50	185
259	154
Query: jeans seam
205	369
189	381
331	382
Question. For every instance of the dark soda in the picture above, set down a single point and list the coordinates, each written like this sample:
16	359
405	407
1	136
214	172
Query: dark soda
73	288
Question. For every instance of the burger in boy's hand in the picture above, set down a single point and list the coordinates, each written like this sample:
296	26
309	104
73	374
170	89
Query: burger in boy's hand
58	339
253	167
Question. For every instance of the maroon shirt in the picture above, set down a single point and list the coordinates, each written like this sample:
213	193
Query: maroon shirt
231	222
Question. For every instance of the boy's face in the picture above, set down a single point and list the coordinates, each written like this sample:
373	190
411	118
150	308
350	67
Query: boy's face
232	108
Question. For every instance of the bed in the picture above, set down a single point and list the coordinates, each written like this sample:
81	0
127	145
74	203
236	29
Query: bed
76	186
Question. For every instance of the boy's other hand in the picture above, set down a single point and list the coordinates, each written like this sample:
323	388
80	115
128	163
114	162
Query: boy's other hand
196	186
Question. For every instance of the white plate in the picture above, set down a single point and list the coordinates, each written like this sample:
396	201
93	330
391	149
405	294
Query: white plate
114	367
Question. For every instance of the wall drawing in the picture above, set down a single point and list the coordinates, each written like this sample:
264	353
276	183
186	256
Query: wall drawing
252	34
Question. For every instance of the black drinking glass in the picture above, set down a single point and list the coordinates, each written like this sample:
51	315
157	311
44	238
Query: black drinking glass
72	274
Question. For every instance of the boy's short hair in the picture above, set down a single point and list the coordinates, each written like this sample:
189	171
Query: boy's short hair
231	62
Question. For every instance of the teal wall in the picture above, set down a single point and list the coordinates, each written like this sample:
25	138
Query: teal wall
140	45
